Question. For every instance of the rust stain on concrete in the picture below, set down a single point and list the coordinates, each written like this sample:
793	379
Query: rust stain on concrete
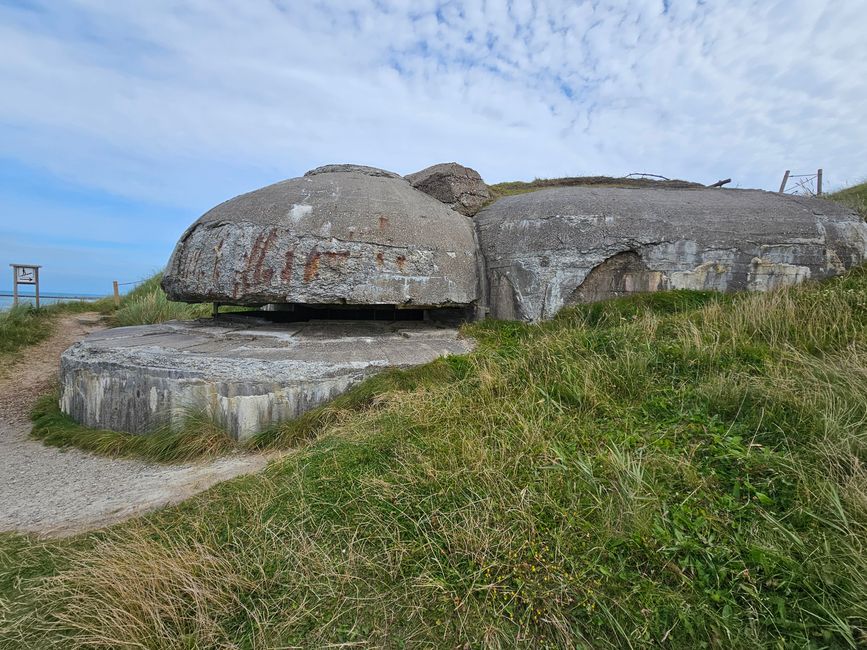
311	268
286	273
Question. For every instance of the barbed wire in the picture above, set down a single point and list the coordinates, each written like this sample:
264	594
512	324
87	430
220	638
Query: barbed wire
804	184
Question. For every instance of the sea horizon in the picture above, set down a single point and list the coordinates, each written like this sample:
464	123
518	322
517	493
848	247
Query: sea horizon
45	297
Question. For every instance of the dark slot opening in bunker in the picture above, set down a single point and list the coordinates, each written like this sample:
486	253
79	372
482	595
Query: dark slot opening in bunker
293	313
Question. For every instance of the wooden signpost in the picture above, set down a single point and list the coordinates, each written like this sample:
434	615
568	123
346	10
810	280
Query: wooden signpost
24	274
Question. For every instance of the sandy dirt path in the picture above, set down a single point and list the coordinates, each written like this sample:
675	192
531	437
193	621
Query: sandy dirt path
54	492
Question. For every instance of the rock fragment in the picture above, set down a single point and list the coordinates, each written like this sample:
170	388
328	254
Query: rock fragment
459	187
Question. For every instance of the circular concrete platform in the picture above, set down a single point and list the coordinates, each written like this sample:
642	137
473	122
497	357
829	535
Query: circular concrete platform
246	372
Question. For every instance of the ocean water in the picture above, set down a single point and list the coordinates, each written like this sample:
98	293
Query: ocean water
49	298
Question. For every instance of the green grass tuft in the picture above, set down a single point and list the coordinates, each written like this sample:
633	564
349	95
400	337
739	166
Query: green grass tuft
22	326
148	304
364	395
854	197
199	437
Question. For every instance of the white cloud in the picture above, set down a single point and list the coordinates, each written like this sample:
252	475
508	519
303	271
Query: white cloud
185	104
704	91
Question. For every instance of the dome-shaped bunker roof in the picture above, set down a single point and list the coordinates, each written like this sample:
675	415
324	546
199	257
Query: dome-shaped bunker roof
341	234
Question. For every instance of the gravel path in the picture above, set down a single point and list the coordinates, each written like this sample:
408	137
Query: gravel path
56	492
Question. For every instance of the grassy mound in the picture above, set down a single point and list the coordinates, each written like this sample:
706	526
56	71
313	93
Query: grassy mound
855	197
676	469
510	188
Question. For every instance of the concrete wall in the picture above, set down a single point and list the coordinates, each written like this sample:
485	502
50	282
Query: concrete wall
245	373
542	247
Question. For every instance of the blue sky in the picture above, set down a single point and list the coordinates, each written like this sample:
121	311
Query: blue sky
122	122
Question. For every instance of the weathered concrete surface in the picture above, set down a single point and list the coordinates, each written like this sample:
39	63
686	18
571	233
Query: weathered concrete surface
554	247
244	371
342	234
459	187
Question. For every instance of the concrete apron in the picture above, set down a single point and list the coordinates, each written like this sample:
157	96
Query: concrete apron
246	373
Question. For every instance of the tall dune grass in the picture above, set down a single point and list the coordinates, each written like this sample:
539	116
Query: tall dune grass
679	470
147	304
855	197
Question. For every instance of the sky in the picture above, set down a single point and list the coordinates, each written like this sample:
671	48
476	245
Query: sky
121	122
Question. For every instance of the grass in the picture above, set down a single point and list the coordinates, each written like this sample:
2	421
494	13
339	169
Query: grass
148	304
855	197
25	325
198	437
676	469
511	188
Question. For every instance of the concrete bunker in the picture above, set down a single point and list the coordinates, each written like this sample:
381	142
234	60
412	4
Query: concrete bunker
245	372
341	237
553	247
353	270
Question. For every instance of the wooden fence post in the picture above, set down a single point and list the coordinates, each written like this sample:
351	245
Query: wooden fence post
785	181
819	183
116	293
